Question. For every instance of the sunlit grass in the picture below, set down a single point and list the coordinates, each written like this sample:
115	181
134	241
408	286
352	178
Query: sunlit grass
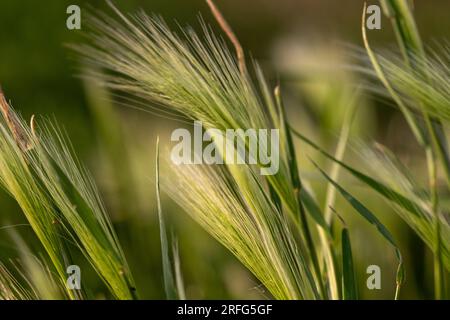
292	243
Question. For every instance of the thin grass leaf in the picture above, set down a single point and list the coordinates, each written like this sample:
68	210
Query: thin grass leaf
409	116
169	278
415	58
330	196
372	219
387	192
349	285
315	211
178	275
339	154
410	206
385	166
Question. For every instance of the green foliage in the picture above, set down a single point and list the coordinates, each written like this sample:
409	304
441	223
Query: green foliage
349	285
274	225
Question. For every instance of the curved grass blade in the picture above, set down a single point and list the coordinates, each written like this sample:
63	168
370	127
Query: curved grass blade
409	116
299	190
384	190
396	198
371	218
314	211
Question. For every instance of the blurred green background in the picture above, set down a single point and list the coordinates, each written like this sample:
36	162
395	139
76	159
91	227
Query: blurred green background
291	39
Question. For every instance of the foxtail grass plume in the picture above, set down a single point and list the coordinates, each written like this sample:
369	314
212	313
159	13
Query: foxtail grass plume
59	200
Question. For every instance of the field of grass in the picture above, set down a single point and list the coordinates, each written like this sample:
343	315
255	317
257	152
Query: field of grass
363	179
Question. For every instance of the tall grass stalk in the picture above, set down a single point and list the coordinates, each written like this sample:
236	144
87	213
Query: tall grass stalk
330	198
414	55
361	209
173	280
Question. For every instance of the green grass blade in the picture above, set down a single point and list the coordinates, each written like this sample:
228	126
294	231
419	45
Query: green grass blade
178	275
405	27
371	218
411	120
169	278
314	211
349	285
339	154
381	188
329	255
415	57
275	198
299	191
412	211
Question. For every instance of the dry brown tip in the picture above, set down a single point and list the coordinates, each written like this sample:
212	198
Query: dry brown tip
13	123
230	34
3	104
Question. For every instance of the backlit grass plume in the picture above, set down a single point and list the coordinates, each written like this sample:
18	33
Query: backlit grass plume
195	76
240	216
59	200
199	78
264	221
431	86
274	226
389	170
